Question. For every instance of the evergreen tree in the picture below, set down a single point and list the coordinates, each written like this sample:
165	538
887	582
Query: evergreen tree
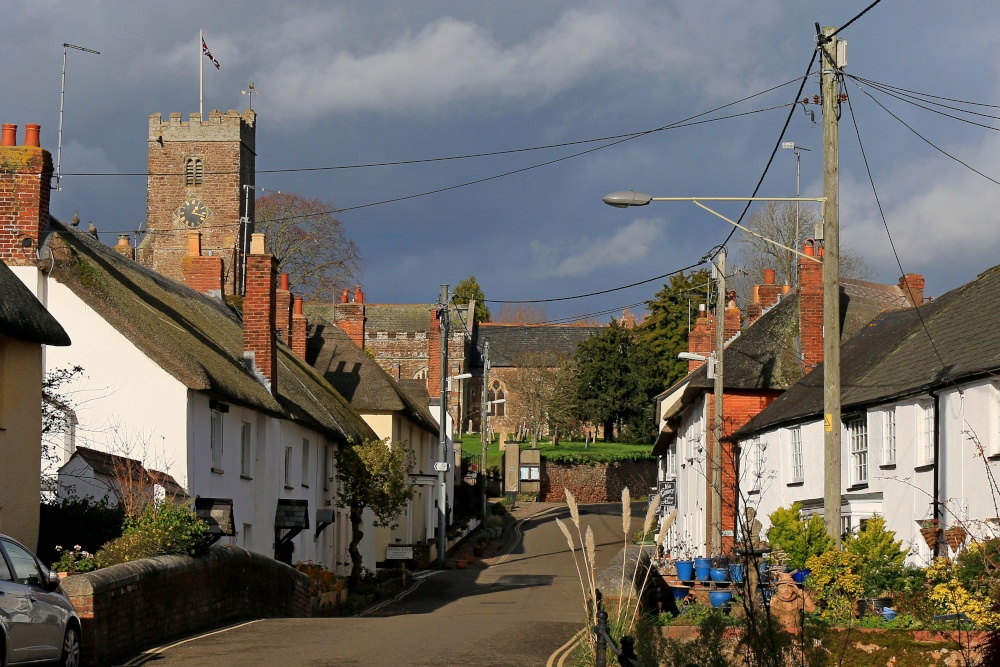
617	381
469	289
665	329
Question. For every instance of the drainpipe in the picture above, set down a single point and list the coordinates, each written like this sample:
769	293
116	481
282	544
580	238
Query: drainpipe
938	514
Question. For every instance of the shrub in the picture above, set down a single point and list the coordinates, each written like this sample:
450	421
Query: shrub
836	581
74	561
882	571
162	529
81	521
977	567
797	538
950	596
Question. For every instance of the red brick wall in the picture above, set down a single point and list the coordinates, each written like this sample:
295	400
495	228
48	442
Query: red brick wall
351	319
225	143
133	605
300	325
597	483
24	201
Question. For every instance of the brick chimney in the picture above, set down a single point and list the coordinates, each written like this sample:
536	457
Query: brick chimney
810	308
259	312
733	316
200	272
434	354
351	319
299	328
124	247
701	340
25	173
912	285
283	309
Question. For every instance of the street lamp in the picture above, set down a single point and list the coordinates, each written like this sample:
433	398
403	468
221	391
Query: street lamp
628	198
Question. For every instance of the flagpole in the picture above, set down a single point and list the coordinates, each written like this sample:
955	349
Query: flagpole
201	73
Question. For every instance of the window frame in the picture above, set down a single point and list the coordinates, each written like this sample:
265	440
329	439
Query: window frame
927	431
288	467
857	431
194	171
889	437
246	449
795	448
217	433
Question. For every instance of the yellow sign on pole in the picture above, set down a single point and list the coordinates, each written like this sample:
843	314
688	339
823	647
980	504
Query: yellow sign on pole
827	422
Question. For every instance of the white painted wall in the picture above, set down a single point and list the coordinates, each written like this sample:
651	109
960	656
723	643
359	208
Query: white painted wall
688	458
969	433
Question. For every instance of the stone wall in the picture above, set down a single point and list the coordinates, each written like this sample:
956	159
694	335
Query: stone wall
126	607
598	482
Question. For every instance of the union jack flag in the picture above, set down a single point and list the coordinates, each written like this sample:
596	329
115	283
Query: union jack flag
208	54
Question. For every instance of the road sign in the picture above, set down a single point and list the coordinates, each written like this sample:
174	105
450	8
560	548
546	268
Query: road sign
393	552
441	466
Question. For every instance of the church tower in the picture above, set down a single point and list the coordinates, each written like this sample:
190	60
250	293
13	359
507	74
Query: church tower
197	173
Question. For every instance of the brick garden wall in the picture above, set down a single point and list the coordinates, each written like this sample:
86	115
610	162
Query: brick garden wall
597	483
126	607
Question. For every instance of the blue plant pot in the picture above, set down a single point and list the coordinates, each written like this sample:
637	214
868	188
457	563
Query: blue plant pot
799	576
679	592
736	573
888	613
720	598
720	574
685	570
702	568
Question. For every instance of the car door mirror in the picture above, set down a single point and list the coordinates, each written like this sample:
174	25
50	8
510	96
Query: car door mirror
52	579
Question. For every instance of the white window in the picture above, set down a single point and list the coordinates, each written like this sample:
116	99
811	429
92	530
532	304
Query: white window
246	450
216	440
889	437
845	524
248	536
327	473
754	459
304	480
857	429
926	415
671	462
288	467
796	451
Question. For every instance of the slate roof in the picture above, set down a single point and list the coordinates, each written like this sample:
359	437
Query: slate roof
359	378
109	465
893	357
22	315
764	356
392	317
508	342
195	338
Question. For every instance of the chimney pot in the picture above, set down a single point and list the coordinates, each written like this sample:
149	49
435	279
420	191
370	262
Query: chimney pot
9	136
769	276
284	281
123	240
345	296
298	305
359	296
31	132
808	248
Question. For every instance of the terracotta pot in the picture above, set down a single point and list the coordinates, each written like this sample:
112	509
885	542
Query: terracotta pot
460	564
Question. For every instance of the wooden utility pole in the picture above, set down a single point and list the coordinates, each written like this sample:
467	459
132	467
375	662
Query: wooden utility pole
484	420
442	464
827	45
715	453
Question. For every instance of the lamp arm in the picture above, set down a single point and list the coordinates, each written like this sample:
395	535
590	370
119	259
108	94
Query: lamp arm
753	233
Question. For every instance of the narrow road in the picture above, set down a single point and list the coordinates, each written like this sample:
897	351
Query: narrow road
518	609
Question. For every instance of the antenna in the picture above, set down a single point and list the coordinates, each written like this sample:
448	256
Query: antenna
249	91
62	100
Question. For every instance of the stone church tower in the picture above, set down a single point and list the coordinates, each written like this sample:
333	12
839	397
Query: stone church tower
197	170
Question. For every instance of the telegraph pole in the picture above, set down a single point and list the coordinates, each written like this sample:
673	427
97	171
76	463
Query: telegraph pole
715	528
484	421
827	44
442	463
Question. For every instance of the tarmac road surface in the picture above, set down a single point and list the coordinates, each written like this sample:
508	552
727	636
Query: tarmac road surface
518	608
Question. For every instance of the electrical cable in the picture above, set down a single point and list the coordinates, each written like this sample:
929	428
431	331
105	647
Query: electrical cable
885	223
918	94
863	12
903	98
607	291
926	140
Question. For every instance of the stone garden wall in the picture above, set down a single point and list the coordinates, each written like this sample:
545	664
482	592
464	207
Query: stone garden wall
597	482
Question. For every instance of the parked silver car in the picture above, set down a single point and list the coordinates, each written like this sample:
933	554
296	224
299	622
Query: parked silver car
37	620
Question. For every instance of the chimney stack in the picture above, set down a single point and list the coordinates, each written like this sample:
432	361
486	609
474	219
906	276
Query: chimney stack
810	308
259	312
284	309
25	174
701	340
124	247
912	285
300	327
201	273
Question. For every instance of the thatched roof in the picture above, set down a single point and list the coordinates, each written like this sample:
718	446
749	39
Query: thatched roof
195	338
22	316
359	378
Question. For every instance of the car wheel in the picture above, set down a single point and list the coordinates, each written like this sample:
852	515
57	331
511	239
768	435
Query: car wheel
71	648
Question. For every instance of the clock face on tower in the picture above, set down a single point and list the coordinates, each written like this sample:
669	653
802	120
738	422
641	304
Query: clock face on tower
192	212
